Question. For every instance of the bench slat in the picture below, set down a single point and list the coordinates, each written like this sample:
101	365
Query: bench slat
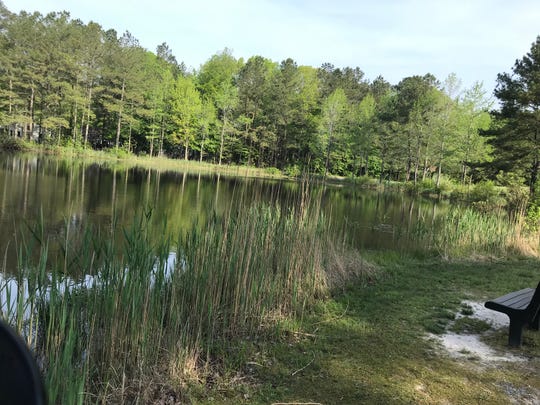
517	300
519	304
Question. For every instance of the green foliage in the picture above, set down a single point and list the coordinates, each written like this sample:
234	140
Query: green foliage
484	191
63	79
118	153
292	171
187	109
517	135
515	194
12	144
486	197
532	218
273	171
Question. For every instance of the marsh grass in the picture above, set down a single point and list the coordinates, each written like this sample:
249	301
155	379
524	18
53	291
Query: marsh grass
130	316
467	232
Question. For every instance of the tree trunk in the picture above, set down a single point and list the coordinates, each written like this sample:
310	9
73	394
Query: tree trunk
439	169
161	136
534	175
74	133
202	150
417	160
425	169
10	108
119	123
361	164
222	140
327	163
409	159
31	111
88	117
129	139
366	169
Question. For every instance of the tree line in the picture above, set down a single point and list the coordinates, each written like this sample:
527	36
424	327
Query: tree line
66	82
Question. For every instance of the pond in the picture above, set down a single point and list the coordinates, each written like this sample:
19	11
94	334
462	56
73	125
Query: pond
57	195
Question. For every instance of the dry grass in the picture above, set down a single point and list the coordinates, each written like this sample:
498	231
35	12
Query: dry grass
345	265
523	243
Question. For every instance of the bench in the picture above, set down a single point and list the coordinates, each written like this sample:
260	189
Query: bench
522	307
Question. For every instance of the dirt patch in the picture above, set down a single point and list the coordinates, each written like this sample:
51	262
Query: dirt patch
469	345
470	349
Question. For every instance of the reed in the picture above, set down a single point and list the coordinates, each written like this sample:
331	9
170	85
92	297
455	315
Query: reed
132	314
463	233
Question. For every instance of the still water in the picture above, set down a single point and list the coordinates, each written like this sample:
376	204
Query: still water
65	194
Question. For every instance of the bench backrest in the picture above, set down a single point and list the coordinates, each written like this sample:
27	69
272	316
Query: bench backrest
534	305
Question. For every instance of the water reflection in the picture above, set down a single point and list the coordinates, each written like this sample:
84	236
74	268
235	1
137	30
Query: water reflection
19	297
67	195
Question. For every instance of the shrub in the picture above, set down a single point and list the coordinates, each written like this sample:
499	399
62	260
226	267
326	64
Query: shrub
274	171
11	143
119	153
532	219
292	171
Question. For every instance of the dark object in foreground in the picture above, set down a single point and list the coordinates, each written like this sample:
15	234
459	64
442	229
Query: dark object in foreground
522	307
20	382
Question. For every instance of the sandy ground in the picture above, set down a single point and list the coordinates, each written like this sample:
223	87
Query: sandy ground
470	345
470	349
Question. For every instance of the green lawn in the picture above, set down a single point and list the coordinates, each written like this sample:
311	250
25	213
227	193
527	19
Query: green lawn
366	344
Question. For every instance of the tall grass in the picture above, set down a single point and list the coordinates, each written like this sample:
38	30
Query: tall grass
468	232
133	321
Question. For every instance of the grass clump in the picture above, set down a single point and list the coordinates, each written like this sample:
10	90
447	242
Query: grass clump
468	325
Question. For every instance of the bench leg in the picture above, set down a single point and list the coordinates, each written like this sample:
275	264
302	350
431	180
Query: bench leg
516	330
535	322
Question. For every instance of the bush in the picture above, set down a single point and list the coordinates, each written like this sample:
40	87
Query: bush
487	195
292	171
446	187
459	193
11	143
274	171
532	219
119	153
426	187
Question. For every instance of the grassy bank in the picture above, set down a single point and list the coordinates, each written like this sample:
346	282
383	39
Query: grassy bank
367	344
121	159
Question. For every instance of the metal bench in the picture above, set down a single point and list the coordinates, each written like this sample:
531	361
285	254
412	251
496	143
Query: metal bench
522	307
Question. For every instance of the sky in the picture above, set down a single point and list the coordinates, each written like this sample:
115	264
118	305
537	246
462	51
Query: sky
475	39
